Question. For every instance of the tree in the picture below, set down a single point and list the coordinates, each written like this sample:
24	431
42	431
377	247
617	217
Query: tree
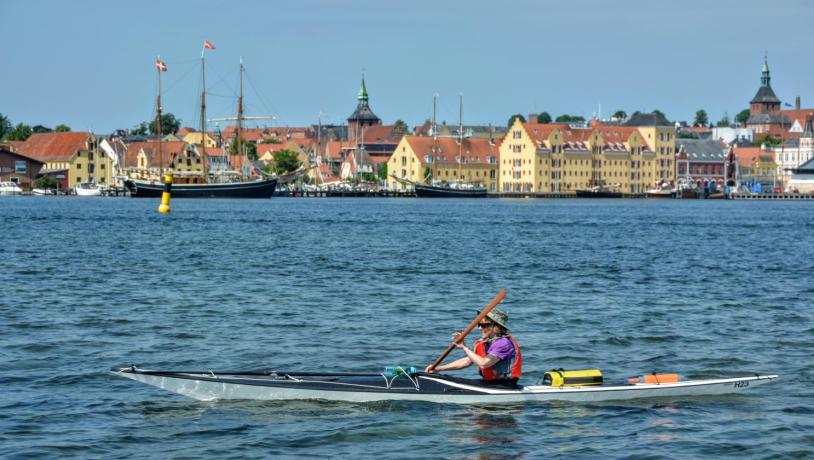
248	147
140	129
38	129
20	132
701	118
382	172
564	118
724	121
63	128
544	118
5	126
169	124
619	115
513	117
659	112
286	161
742	116
401	126
46	182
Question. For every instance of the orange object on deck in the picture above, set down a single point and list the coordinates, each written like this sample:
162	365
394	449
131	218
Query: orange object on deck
655	378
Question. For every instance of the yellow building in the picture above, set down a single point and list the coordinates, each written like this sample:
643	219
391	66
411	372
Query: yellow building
74	155
194	138
556	158
143	161
660	136
424	159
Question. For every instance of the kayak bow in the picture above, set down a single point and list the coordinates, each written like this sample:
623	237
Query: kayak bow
270	385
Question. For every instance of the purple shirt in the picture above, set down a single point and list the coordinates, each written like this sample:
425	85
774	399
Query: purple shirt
501	349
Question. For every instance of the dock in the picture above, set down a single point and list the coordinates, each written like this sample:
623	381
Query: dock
771	196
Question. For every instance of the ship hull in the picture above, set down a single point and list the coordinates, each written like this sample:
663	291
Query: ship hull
598	194
255	189
431	191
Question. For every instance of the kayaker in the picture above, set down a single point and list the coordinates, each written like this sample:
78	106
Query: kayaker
496	353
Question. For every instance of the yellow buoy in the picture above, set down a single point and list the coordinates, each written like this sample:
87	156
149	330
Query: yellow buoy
164	208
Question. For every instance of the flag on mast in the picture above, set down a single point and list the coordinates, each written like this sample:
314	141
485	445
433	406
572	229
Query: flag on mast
208	45
160	65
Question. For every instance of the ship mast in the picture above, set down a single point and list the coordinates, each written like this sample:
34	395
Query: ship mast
240	111
460	140
158	123
203	117
434	143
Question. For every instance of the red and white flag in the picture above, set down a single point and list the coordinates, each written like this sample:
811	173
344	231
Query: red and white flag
160	65
208	45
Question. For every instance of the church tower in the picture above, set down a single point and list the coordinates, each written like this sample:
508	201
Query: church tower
765	101
362	117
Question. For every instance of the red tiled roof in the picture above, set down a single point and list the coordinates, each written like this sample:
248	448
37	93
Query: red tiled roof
474	150
14	145
746	155
54	146
168	151
539	132
382	134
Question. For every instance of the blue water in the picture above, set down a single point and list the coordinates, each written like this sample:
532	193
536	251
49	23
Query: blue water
704	288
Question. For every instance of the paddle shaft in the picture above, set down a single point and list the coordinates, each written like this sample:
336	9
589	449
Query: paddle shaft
474	324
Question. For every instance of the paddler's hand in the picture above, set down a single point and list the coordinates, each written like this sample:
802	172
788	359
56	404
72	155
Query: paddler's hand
430	371
455	337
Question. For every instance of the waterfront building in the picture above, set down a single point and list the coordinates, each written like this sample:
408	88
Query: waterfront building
791	154
471	160
802	178
702	161
756	165
73	155
18	168
556	158
660	135
764	109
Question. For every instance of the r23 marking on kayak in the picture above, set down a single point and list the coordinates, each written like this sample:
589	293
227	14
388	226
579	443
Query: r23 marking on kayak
742	384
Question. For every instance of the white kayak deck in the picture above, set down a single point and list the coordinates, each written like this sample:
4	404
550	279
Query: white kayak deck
207	387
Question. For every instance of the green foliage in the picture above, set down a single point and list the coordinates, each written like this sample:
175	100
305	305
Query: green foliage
635	113
5	126
427	174
382	172
169	124
271	140
619	114
63	128
701	118
544	118
569	118
401	126
20	132
249	148
766	139
724	121
687	135
368	177
286	161
140	130
39	129
659	112
512	118
742	116
46	182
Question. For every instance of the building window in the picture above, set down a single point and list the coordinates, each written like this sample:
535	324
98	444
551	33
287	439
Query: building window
79	166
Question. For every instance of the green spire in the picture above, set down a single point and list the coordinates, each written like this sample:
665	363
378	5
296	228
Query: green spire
362	97
765	78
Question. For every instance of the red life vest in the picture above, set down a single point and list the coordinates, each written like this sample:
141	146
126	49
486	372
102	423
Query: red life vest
516	365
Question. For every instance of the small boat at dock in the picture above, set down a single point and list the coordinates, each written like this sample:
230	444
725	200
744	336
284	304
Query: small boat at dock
408	385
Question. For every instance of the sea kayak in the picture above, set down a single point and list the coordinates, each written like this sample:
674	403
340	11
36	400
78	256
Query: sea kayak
439	388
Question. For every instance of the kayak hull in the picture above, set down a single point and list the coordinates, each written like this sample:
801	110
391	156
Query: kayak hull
419	387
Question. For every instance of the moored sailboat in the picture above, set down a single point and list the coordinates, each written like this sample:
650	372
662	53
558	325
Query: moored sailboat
210	185
448	189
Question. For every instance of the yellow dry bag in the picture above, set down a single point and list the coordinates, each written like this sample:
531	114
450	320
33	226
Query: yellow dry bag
562	378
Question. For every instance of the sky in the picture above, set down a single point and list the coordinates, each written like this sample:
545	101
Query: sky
90	64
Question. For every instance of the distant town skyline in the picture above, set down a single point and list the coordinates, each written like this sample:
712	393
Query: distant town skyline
91	66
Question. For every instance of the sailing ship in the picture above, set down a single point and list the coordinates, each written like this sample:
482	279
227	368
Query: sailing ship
600	191
210	185
448	189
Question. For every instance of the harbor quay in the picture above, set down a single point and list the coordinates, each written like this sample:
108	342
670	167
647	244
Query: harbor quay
769	156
